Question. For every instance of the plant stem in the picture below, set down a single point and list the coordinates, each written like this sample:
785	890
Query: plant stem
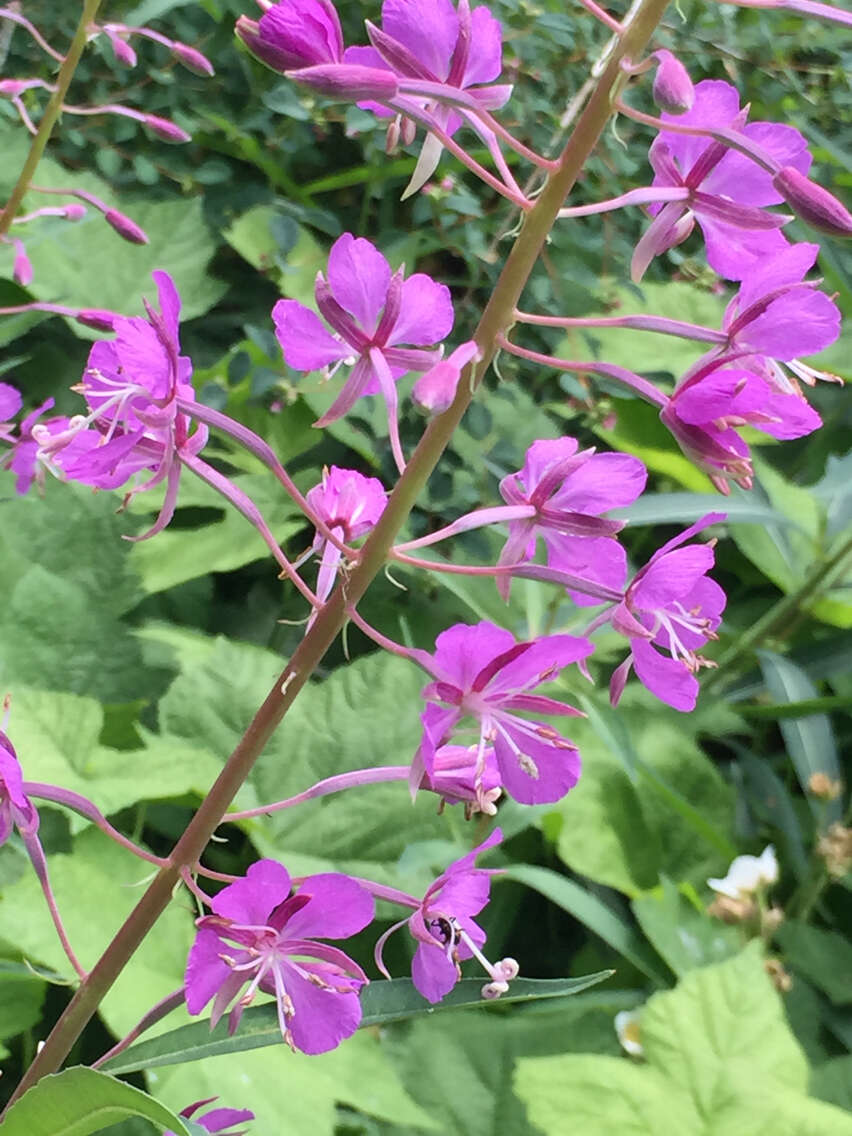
51	114
639	26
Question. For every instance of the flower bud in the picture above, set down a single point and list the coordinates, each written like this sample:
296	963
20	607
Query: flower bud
97	318
824	787
22	270
192	60
122	50
75	211
435	390
672	90
13	87
348	81
125	227
813	204
165	129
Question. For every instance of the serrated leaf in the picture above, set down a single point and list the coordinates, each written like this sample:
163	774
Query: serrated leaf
77	1102
382	1002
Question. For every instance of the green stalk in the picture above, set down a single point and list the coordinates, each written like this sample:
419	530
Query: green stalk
51	114
496	319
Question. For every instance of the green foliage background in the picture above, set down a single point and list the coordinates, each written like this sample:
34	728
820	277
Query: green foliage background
134	668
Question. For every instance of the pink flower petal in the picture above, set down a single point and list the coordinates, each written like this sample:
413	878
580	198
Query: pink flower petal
359	277
306	343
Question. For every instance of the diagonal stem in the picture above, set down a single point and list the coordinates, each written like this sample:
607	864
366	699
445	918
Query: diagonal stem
51	114
638	28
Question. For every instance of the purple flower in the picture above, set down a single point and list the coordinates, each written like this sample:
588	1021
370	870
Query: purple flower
350	504
10	404
726	190
482	672
446	933
132	385
435	391
671	604
294	33
262	935
672	90
705	412
372	313
16	810
218	1121
567	491
442	56
457	778
776	316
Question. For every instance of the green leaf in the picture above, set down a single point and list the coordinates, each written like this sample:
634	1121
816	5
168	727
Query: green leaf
21	996
832	1081
382	1002
80	1101
96	886
681	934
181	554
809	740
56	739
365	713
824	957
718	1014
592	912
684	508
88	265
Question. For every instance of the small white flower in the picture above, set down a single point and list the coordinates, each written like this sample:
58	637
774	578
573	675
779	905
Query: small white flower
748	874
627	1028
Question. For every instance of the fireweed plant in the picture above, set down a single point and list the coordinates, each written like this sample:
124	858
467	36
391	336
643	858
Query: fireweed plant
430	71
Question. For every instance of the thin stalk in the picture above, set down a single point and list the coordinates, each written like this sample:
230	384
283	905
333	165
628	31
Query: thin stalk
659	324
497	317
322	788
51	114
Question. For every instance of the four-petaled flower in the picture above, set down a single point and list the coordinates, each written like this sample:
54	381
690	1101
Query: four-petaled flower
482	672
372	312
262	935
724	191
748	874
566	491
350	504
294	33
217	1121
446	932
671	604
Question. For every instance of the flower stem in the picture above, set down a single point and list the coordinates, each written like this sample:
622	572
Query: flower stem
659	324
496	319
51	114
328	785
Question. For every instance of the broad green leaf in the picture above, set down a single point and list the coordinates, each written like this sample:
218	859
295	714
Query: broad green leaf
253	236
611	822
823	957
229	542
292	1093
681	934
96	885
56	739
88	265
718	1014
600	1096
21	996
79	1101
720	1061
364	714
592	912
832	1081
684	508
809	740
389	1001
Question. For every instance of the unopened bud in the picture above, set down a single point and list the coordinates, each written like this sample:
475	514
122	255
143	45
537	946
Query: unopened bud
13	87
772	920
348	81
813	204
165	129
125	227
392	136
822	786
408	131
122	50
191	59
435	390
835	848
97	318
672	90
75	211
22	269
732	910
